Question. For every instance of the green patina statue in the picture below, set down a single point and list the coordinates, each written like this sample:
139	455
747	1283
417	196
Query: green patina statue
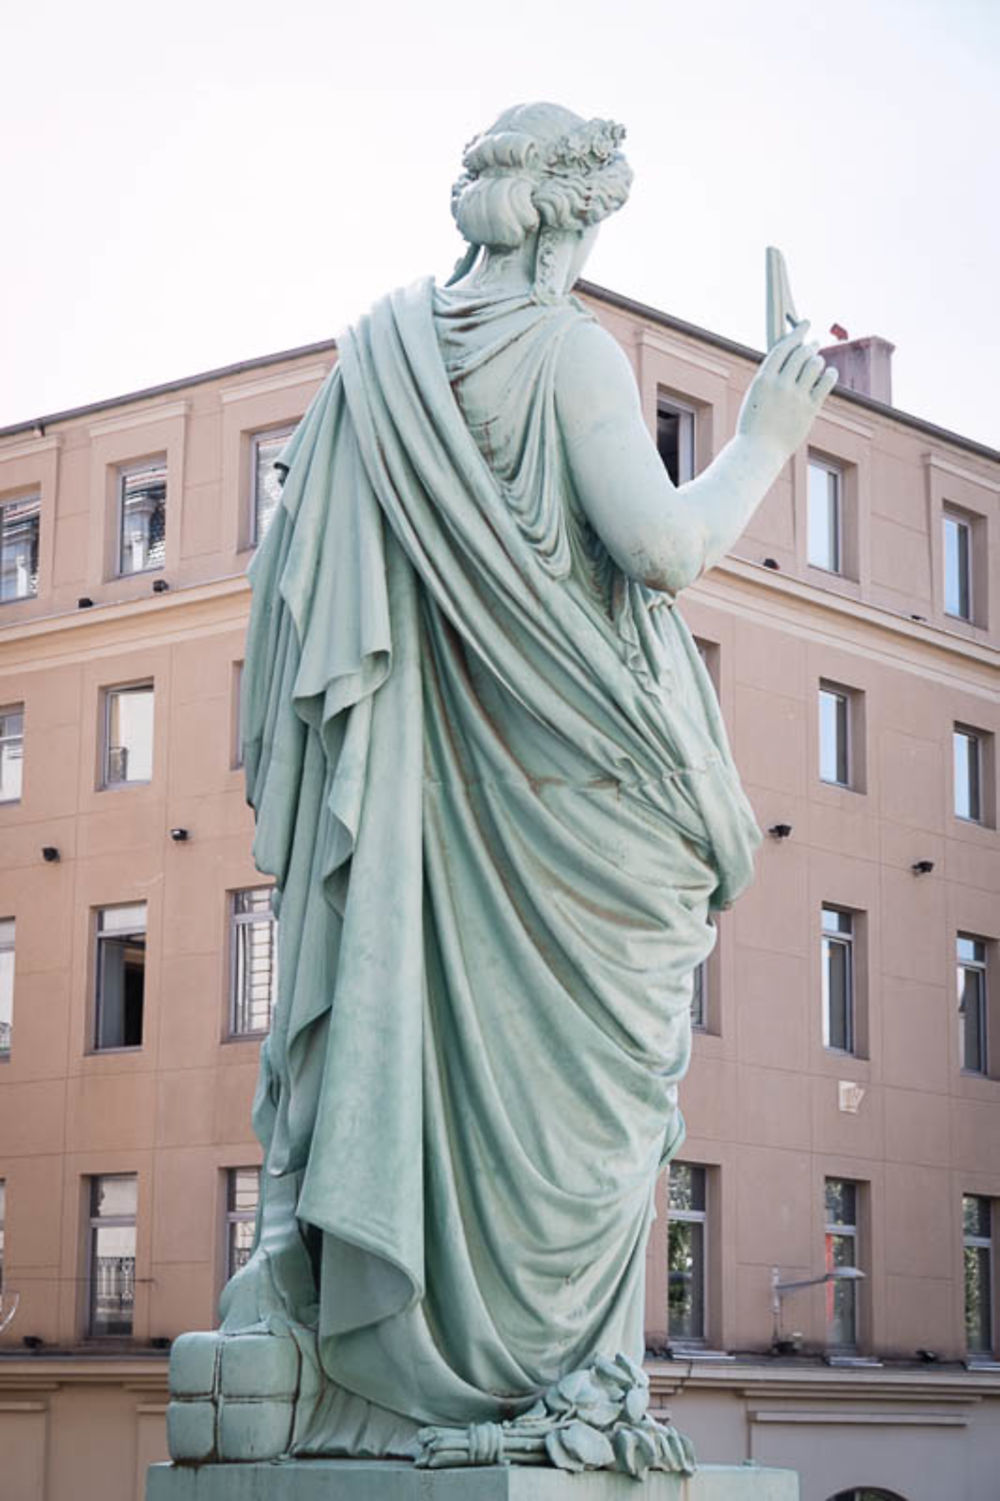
494	792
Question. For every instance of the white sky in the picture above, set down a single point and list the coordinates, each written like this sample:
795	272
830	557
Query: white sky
190	184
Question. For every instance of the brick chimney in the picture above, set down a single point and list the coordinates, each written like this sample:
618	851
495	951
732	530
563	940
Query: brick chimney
864	365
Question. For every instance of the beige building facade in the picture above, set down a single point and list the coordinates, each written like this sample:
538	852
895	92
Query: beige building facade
843	1103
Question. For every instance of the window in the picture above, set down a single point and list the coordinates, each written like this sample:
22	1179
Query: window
236	758
686	1253
838	979
111	1254
19	548
121	976
977	1251
266	480
142	516
128	735
254	972
957	566
968	746
11	752
971	975
824	529
6	985
834	735
675	440
242	1197
699	997
841	1251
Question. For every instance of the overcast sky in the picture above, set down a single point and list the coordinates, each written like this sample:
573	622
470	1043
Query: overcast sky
194	183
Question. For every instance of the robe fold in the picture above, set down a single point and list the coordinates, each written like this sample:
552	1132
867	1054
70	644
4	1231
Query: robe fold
492	785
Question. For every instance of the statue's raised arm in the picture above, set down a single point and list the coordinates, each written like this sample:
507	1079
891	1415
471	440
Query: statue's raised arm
494	792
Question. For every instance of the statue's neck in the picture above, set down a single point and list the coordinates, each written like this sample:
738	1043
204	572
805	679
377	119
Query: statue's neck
502	273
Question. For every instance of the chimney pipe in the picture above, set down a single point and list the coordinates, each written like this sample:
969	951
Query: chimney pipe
863	365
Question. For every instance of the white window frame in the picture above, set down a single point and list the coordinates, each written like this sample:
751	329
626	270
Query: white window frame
975	762
692	1217
236	921
963	525
845	697
31	498
264	435
971	1242
235	1217
95	1222
834	526
845	939
850	1232
102	936
108	781
8	740
123	474
687	435
976	965
8	945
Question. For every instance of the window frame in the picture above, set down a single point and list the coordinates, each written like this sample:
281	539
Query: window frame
236	921
101	939
980	1243
979	967
850	1231
12	711
9	502
980	773
847	940
124	472
258	436
846	697
699	1217
95	1222
965	523
106	783
8	945
835	472
687	445
234	1217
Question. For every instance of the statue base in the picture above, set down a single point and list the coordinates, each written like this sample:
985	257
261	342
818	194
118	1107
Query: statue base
380	1480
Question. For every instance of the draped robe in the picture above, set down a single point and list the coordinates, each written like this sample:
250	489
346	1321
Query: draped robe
492	785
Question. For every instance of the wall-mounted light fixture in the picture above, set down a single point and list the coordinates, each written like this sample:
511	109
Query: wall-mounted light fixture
773	564
160	586
780	830
85	602
50	854
922	867
179	836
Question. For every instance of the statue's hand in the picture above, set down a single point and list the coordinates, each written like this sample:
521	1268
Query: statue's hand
785	394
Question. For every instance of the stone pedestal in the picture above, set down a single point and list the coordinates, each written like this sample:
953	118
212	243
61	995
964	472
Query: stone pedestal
359	1480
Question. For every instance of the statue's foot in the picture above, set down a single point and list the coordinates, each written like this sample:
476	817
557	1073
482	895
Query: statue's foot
232	1396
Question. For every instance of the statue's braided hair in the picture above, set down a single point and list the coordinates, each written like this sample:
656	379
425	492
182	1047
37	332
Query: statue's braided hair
539	166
